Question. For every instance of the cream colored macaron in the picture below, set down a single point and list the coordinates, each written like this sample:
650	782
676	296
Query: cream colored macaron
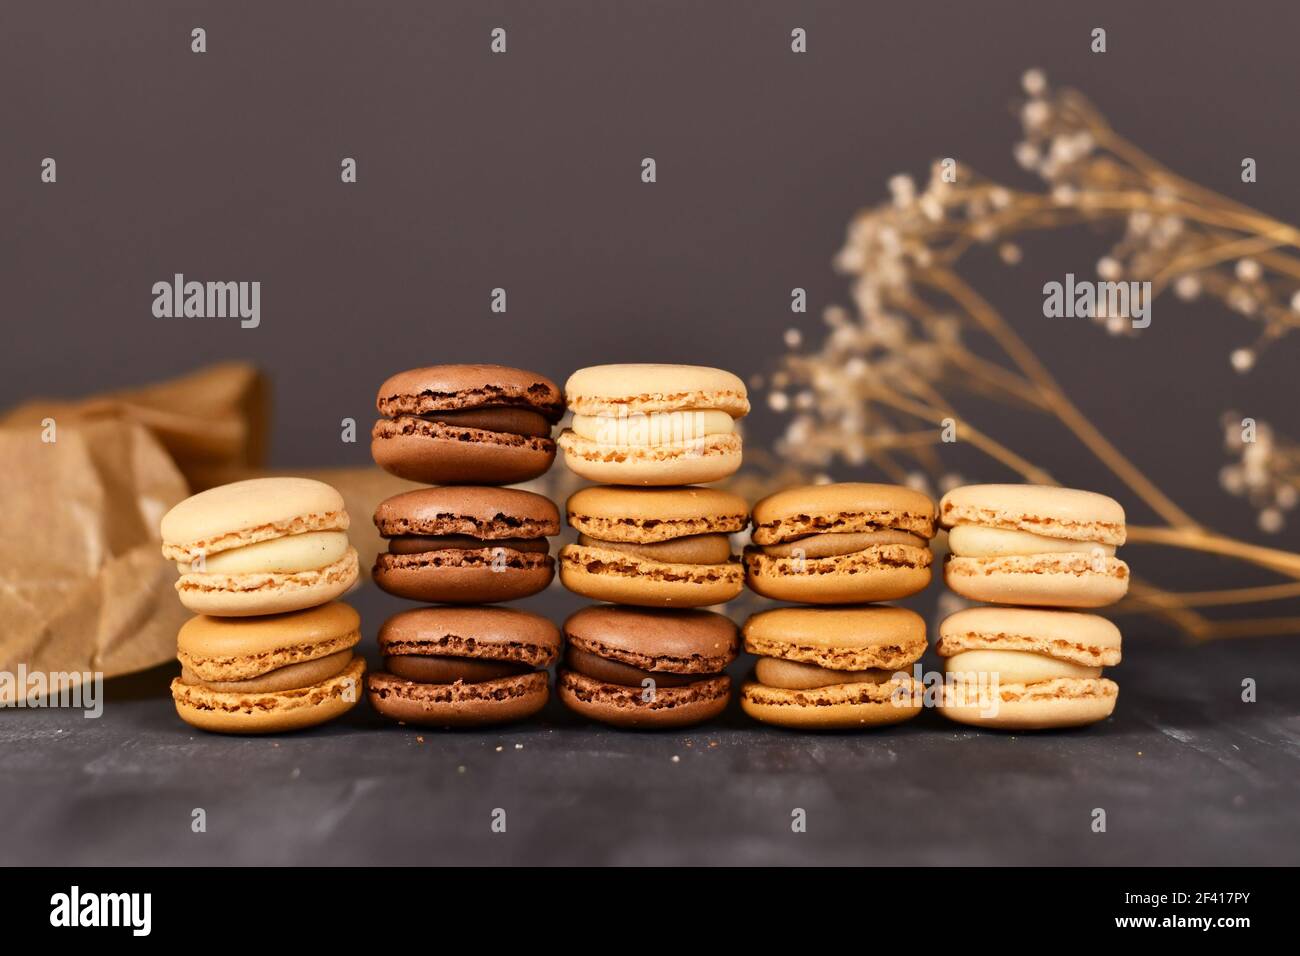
653	424
1034	544
262	546
1027	669
833	668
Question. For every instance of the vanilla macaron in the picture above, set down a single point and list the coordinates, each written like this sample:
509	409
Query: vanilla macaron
653	424
262	546
841	544
654	547
1027	669
834	668
268	674
1034	544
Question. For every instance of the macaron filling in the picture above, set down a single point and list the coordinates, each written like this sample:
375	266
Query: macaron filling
1014	667
292	554
625	675
833	544
689	549
289	677
981	541
422	544
447	669
648	429
797	675
523	422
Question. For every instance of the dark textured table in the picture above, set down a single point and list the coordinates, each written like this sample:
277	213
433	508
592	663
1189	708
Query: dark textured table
1186	772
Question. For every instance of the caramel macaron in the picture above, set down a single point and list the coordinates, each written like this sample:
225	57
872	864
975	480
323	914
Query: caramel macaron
264	675
466	544
654	547
1027	669
834	668
642	668
653	424
262	546
466	424
1034	544
841	544
463	666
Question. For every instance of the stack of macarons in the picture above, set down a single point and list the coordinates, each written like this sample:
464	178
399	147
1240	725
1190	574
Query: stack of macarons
1031	666
843	663
468	543
261	563
652	542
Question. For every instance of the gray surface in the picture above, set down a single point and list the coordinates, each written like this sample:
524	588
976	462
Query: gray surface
1186	772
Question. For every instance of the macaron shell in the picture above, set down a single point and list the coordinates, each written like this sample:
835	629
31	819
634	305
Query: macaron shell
678	642
269	713
840	638
483	633
441	454
246	512
709	459
837	707
649	515
882	573
441	388
475	581
841	507
620	578
230	649
244	595
647	387
482	512
1087	639
1047	580
460	704
1064	702
1041	509
621	706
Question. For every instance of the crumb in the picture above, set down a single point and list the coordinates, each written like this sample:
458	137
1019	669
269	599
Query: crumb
419	740
519	746
460	769
676	759
500	748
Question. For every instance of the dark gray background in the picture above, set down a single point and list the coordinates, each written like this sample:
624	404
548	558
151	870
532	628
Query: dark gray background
522	171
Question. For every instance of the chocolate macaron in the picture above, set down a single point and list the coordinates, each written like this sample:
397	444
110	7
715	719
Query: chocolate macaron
463	666
466	544
1027	669
466	424
652	424
1034	544
262	675
841	544
262	546
834	668
655	547
633	667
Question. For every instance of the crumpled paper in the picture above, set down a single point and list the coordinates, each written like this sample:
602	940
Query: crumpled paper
83	583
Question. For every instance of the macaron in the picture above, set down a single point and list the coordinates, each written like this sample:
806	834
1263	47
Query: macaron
655	547
1027	669
465	544
262	546
841	543
266	675
653	424
834	668
463	666
643	668
466	424
1034	544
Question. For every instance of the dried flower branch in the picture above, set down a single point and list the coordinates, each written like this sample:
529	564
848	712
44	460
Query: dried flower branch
883	387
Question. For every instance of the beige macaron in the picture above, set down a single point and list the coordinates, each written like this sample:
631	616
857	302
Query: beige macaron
654	547
841	543
834	668
653	424
263	546
259	675
1027	669
1034	544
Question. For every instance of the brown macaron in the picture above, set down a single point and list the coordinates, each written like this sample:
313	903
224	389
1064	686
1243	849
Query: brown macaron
844	543
463	666
643	668
654	547
466	424
465	544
